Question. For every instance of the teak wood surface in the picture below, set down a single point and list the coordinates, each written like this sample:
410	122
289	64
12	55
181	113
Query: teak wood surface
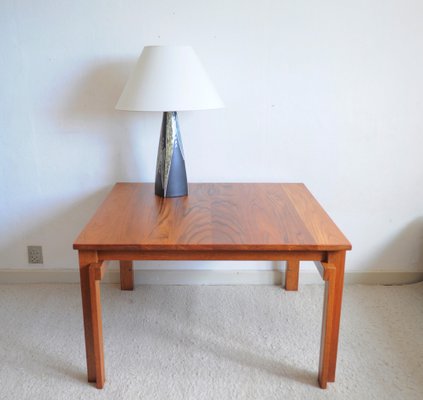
216	221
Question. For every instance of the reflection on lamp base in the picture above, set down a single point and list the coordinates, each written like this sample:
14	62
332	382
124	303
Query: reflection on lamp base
171	176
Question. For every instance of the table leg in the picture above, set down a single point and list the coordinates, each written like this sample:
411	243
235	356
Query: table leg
291	275
86	258
96	272
329	275
126	275
338	260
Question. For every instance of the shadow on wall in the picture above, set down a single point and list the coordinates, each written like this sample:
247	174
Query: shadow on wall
405	251
91	98
88	108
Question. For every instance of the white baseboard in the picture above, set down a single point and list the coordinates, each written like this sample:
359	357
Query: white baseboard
206	277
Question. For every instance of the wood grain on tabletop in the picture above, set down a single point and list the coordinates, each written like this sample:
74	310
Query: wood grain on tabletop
214	216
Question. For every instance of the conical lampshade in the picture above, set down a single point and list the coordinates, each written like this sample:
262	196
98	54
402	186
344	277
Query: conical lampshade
168	78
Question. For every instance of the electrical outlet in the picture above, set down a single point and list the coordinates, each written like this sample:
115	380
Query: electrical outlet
35	254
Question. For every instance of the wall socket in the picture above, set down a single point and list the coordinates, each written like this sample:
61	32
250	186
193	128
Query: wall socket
35	254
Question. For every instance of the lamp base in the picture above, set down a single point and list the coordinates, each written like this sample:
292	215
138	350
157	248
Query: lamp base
171	176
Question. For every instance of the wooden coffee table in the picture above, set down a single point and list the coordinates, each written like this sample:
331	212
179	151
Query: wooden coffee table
217	221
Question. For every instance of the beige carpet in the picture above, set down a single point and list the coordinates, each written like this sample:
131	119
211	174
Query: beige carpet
211	342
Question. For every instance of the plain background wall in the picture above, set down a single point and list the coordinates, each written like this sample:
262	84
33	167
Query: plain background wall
328	93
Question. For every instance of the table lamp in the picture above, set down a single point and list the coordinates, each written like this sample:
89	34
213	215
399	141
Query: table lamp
169	79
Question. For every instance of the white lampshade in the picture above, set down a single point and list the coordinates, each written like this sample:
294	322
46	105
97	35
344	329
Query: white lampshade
168	78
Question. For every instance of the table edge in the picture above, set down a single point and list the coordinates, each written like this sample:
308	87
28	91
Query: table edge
214	247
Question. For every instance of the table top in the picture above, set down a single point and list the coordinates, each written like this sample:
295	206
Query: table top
214	216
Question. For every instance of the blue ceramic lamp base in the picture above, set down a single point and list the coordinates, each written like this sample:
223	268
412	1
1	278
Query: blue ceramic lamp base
171	176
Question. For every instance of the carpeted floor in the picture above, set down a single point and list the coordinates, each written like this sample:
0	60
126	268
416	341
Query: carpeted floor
211	342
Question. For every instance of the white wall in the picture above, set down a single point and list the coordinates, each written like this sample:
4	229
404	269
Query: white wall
327	92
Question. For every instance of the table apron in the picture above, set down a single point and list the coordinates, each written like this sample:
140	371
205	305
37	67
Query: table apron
242	255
